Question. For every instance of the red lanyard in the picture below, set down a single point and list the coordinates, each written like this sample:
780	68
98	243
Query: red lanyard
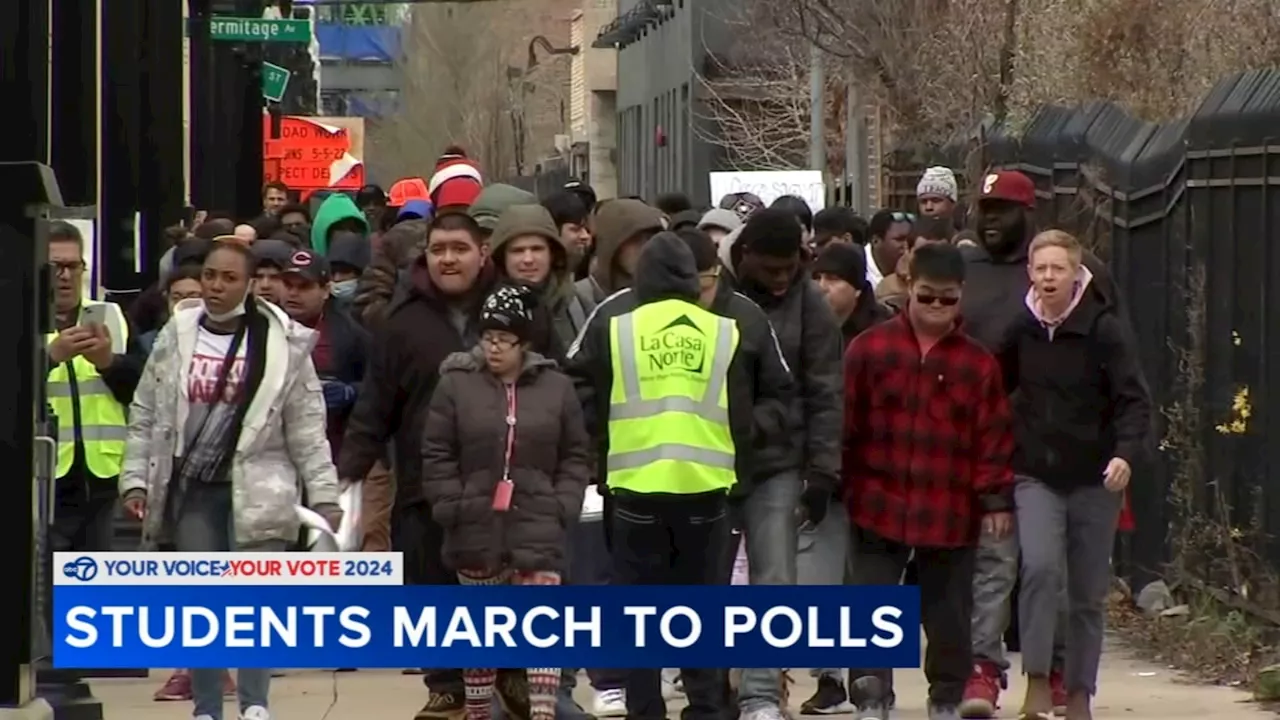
511	431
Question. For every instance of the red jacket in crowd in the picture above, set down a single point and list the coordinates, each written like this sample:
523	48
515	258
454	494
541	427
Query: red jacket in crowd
927	441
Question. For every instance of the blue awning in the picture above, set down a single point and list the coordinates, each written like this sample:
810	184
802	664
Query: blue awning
376	43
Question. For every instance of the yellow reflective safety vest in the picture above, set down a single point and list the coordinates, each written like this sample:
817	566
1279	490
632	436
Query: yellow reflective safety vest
86	408
669	405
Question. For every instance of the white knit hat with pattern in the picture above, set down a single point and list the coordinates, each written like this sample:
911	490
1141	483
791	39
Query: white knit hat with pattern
938	181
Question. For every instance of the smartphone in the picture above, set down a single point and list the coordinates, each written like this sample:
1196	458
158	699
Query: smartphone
94	315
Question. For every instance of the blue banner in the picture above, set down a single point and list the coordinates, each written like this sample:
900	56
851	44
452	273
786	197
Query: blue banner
118	626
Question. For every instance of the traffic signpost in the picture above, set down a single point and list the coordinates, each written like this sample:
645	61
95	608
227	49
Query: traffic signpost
247	29
275	80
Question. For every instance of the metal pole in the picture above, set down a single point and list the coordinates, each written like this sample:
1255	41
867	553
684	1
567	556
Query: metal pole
855	150
817	145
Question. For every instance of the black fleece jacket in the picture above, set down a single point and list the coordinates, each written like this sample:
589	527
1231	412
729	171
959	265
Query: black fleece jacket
760	386
1079	396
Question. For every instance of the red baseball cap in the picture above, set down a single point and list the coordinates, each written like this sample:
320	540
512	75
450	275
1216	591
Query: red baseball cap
1009	185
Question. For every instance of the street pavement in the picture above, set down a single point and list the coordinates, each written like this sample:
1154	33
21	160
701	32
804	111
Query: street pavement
1129	689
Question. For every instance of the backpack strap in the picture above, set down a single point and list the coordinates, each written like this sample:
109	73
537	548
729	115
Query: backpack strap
577	313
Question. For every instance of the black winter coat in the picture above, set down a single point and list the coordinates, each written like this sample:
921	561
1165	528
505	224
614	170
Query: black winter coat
409	344
464	453
1079	398
810	338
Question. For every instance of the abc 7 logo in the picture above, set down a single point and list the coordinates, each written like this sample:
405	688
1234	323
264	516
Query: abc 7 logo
83	569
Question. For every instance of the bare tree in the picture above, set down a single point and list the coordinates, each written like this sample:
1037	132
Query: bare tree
937	64
455	89
942	65
754	98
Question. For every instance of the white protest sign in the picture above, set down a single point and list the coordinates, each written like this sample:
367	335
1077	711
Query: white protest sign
769	185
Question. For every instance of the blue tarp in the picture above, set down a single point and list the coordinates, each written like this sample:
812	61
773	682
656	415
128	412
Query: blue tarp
379	43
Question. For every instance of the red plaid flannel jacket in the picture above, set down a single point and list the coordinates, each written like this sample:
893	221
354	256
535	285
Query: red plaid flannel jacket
927	441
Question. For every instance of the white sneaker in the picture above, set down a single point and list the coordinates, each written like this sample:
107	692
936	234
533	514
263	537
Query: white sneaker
203	717
671	684
764	712
610	703
255	712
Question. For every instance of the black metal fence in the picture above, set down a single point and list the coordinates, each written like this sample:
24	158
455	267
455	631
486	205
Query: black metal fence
1187	213
549	176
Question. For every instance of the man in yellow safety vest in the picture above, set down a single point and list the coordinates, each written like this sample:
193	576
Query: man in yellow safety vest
94	366
653	371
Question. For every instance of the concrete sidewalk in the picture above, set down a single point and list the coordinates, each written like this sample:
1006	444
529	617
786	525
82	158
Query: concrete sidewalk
1129	689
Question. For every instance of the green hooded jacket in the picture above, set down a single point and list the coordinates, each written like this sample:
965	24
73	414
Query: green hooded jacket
494	200
335	208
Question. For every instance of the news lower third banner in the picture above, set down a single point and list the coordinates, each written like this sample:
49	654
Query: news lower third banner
243	618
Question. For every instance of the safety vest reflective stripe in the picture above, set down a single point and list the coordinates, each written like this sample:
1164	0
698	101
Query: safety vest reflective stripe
708	407
674	434
93	433
671	451
90	404
87	386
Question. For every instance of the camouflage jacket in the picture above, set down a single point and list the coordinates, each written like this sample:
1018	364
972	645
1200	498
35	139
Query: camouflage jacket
282	446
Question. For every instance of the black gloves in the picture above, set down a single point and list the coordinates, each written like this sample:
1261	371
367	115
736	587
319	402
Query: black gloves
814	502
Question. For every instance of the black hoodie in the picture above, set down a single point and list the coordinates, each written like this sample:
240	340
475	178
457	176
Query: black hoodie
1079	396
810	338
760	386
995	286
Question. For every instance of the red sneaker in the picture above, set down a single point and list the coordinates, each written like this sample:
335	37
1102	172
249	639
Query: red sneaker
228	685
1059	688
981	693
177	687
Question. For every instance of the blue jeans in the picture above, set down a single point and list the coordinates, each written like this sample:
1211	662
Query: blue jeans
206	523
769	522
823	559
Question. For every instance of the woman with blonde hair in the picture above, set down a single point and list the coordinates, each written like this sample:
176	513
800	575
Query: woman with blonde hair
1082	420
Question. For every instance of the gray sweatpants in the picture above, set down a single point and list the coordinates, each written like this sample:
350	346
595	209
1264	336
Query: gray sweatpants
994	575
1081	525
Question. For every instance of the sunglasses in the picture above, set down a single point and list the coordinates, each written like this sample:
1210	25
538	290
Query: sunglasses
943	300
903	217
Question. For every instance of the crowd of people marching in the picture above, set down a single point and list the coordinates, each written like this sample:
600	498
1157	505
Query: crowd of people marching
836	400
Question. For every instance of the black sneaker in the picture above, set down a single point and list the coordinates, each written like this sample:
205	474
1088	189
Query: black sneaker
870	699
443	706
512	688
829	699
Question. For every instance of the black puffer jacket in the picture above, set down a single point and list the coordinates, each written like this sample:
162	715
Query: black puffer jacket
813	346
464	452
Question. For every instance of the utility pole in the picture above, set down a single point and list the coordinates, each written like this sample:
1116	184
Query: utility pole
855	151
817	103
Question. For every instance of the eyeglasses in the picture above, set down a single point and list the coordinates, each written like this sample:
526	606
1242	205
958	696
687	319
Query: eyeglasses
943	300
68	268
499	343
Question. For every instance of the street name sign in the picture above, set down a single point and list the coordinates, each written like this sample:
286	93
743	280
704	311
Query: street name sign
243	29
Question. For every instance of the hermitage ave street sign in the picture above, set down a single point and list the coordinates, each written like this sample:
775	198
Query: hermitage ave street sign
242	29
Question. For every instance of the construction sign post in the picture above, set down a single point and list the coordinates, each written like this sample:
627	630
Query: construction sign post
311	155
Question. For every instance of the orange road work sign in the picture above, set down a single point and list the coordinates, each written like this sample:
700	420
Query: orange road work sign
310	155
